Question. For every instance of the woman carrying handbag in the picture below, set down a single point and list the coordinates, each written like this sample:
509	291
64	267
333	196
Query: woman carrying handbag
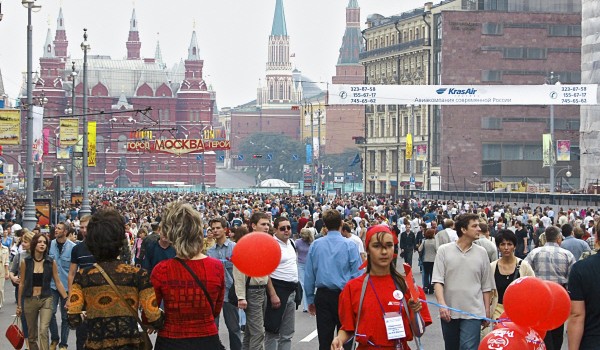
103	288
190	276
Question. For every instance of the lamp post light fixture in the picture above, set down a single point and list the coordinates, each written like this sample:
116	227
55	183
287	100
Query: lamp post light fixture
568	174
85	203
29	218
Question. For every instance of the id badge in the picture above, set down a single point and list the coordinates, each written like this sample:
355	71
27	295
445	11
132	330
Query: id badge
394	325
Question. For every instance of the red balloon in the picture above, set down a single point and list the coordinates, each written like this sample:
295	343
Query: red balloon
516	327
561	307
503	339
256	254
519	306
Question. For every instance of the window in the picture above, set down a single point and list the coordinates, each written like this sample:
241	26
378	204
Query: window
405	126
382	127
372	161
382	161
417	130
564	30
491	28
383	186
394	155
532	152
512	152
371	127
513	52
491	75
492	152
393	127
491	123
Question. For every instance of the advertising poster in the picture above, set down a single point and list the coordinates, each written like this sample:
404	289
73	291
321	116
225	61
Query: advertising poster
69	131
421	152
63	152
548	156
91	143
76	198
409	146
38	136
10	127
43	211
563	150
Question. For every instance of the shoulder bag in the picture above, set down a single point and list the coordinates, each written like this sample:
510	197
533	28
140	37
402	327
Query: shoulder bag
212	308
147	343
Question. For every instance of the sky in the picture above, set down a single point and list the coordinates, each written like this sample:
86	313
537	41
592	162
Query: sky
232	35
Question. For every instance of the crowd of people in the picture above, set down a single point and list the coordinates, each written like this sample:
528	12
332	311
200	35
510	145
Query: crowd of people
168	255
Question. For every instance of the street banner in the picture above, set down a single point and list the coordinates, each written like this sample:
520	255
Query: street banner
38	137
91	144
63	152
2	184
309	152
549	158
46	143
69	131
409	146
581	94
308	180
563	150
10	127
43	211
421	152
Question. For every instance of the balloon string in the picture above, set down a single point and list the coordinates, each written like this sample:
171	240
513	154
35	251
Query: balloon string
464	312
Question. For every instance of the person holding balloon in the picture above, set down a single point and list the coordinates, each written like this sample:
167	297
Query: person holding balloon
377	307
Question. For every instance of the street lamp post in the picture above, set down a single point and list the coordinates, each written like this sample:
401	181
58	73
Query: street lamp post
85	203
568	174
29	218
554	79
73	76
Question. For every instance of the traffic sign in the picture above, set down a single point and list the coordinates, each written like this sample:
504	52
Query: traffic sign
294	157
269	156
221	158
412	180
198	157
240	157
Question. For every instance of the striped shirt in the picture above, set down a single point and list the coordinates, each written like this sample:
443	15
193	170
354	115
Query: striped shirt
551	263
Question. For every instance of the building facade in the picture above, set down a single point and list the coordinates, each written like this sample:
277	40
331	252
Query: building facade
463	43
131	99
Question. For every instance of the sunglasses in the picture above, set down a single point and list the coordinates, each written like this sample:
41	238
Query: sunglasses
285	228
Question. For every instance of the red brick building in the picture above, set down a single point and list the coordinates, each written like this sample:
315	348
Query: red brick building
505	142
126	96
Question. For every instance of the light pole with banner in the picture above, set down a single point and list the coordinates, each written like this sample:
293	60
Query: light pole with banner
85	202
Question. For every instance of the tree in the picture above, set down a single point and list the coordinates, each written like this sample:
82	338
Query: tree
274	156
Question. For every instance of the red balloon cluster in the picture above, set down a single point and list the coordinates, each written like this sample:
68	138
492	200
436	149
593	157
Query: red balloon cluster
256	254
529	317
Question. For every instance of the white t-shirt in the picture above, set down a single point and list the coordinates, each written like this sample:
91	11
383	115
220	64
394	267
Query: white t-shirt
359	243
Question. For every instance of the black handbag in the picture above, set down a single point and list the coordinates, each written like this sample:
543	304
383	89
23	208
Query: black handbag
232	297
299	293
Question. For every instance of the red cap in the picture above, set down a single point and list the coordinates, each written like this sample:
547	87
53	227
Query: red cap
373	230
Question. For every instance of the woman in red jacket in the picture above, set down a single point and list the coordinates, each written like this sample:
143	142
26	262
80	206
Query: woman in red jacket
384	315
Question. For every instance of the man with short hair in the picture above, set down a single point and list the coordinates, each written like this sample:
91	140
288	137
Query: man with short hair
280	321
222	250
251	293
347	232
463	280
584	287
552	263
487	242
572	244
331	262
60	250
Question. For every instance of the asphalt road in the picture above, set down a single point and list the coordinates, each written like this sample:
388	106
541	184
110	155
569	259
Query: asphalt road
305	337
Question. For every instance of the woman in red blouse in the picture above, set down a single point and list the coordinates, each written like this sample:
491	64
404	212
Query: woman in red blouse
189	312
383	300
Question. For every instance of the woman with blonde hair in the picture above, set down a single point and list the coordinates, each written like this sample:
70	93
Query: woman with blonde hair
302	245
191	285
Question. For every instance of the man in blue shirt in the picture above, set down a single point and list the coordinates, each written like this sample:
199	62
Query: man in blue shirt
60	251
331	262
222	250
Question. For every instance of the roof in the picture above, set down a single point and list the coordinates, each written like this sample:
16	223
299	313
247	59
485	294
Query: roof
279	27
194	50
352	45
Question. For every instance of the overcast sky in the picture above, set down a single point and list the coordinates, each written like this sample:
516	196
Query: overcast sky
232	35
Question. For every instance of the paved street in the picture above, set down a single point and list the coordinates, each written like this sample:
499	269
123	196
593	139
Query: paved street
305	337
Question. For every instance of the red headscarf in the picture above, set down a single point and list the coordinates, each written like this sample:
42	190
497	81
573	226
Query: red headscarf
373	230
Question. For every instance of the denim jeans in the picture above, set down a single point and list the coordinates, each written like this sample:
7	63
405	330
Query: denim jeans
64	320
283	340
301	279
461	334
232	321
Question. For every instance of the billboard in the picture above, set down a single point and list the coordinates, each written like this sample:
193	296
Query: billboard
10	127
